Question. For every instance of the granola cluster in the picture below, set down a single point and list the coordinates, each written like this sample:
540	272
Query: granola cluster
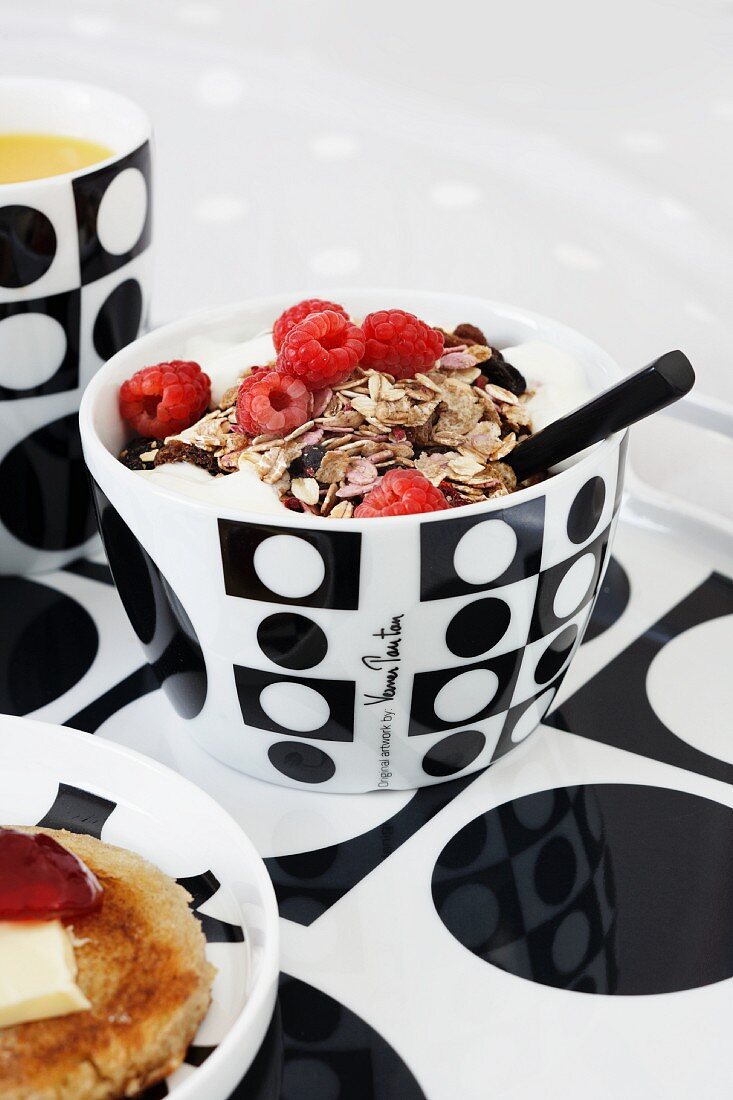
454	424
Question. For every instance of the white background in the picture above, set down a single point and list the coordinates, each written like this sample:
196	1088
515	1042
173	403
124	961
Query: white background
571	157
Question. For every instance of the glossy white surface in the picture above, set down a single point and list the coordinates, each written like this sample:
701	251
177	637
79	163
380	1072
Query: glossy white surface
369	950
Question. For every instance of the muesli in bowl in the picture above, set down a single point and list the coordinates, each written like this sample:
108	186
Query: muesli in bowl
375	653
322	415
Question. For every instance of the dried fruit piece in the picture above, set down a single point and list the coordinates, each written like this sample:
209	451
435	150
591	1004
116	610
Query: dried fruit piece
308	463
163	399
505	375
470	334
176	451
140	454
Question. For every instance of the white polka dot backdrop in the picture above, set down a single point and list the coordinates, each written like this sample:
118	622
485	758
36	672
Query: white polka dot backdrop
334	146
220	88
221	209
455	194
642	141
199	14
578	257
335	262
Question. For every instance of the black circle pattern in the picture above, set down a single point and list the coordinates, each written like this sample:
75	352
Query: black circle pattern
38	622
556	654
156	613
44	494
317	1049
562	920
118	321
586	510
478	627
301	762
292	641
27	245
453	753
556	870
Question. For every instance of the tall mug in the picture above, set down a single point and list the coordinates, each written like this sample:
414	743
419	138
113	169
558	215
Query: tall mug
75	267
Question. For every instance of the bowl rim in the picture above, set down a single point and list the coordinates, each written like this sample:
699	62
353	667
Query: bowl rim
69	87
226	1051
191	325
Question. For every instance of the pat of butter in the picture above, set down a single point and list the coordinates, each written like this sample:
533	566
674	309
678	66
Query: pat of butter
37	972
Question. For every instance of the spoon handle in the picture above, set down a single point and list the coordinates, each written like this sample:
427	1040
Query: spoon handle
650	389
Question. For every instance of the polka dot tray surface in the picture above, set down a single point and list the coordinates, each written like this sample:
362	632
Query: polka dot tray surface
62	779
556	923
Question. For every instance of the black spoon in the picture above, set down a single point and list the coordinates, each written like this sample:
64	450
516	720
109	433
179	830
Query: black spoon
649	390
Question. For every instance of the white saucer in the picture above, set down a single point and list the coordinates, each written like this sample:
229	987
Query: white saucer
63	779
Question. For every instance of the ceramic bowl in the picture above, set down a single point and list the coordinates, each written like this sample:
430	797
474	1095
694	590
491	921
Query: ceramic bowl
67	780
368	654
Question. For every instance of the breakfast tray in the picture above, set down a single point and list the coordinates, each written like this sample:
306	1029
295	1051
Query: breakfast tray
559	923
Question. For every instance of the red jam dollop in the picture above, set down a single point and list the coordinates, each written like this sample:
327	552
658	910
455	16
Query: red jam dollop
42	880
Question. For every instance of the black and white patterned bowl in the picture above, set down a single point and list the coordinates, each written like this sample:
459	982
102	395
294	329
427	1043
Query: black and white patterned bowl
74	289
67	780
357	655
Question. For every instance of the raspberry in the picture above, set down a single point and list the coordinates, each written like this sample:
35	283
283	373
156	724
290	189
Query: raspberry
323	350
293	316
401	493
399	344
271	402
164	399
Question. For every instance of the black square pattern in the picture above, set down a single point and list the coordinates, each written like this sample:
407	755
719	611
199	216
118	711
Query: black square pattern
339	695
89	191
65	309
427	685
439	578
515	714
583	582
340	552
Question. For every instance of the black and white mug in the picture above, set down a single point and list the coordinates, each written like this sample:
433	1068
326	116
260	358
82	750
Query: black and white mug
74	289
420	647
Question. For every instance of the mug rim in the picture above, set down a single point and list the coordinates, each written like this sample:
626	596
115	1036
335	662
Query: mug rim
132	107
191	325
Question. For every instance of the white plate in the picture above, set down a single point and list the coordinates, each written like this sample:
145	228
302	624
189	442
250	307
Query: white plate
57	777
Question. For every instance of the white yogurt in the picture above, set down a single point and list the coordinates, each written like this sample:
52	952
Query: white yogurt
558	380
242	489
224	361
